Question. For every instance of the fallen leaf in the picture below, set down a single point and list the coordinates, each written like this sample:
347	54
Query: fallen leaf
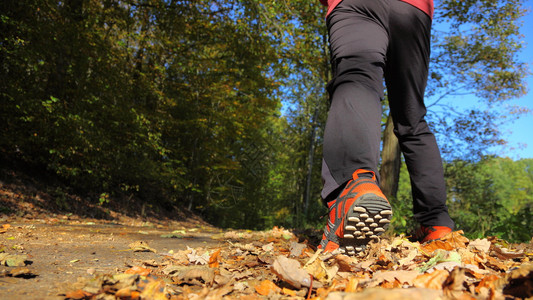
344	262
288	292
266	287
402	276
504	253
437	244
198	259
409	258
396	294
268	247
482	245
457	239
154	290
78	294
242	275
138	270
214	258
22	272
297	249
172	269
13	260
126	292
4	228
141	246
433	280
351	286
440	256
487	282
240	286
447	265
518	283
197	276
317	269
220	292
453	286
291	271
172	236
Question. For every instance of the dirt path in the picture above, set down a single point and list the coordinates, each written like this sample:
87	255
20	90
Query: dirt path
60	252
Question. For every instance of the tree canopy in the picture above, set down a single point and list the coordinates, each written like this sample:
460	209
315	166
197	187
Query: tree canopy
219	105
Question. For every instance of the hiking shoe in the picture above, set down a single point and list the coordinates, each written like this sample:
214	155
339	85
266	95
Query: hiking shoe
357	216
430	233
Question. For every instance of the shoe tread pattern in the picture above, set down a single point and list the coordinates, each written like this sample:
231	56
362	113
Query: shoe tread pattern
366	220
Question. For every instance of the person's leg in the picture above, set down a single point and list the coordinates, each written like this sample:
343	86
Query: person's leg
406	77
358	43
359	212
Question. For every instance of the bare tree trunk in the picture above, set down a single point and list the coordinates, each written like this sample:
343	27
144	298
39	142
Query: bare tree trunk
390	161
310	162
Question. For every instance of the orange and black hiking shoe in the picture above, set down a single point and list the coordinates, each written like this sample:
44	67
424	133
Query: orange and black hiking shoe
430	233
358	215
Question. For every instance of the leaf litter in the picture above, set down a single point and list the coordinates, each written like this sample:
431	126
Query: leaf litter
277	264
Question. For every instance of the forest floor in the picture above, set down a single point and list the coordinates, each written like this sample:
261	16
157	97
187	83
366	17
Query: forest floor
50	250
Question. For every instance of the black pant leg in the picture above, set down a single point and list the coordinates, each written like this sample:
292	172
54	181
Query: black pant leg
358	43
406	77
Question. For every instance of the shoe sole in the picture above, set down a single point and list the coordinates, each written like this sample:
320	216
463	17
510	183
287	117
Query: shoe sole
365	221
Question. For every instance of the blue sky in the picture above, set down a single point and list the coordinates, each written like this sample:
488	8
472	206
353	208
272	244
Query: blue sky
518	133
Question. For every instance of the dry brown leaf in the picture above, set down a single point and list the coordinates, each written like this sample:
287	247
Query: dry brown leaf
288	292
482	245
297	249
124	293
317	269
352	284
220	292
268	247
291	271
14	260
240	275
454	285
457	239
497	264
198	259
138	270
266	287
433	280
154	290
408	260
396	294
437	244
4	228
78	294
344	262
402	276
141	246
173	269
517	283
504	253
197	276
21	272
487	282
214	258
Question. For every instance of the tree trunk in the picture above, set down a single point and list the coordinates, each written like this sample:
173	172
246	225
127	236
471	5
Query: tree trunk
310	162
390	161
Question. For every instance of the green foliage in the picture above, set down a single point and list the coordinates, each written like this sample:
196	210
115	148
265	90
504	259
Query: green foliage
474	52
151	98
219	105
492	197
402	205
